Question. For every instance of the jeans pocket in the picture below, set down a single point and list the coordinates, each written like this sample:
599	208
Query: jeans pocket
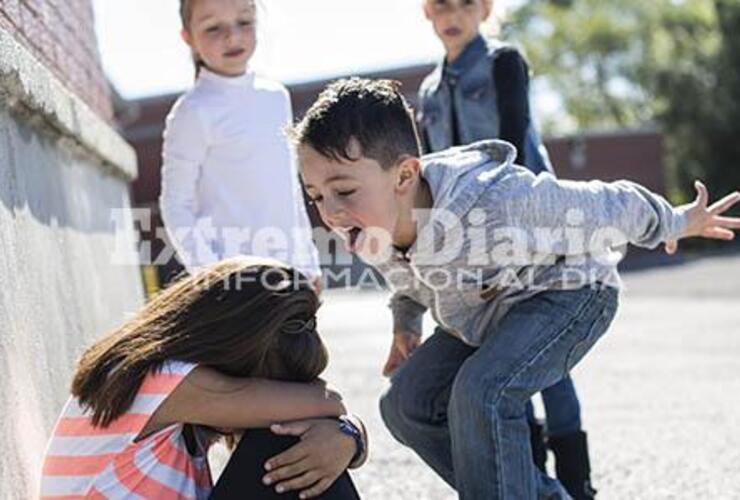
600	324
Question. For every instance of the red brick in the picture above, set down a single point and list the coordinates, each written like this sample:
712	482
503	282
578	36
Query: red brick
61	34
5	22
69	17
58	52
55	24
12	10
32	28
37	6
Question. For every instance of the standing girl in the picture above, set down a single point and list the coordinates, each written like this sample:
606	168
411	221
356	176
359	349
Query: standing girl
229	181
232	347
480	90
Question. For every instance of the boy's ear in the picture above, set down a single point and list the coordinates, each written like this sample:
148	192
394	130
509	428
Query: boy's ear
408	172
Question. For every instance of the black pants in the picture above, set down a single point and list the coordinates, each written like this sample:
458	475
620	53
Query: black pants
242	478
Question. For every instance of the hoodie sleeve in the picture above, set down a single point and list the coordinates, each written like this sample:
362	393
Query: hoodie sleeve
408	314
604	214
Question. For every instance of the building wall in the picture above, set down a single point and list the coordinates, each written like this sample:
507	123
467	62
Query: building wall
61	34
62	170
634	155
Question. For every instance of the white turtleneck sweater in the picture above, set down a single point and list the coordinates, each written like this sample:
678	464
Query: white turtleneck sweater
229	179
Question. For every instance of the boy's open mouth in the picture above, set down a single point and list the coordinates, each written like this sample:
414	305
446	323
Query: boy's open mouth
352	236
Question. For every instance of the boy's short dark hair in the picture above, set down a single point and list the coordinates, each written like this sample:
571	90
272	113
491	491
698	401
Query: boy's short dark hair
373	112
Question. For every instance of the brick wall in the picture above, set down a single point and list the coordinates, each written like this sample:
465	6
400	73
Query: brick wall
627	154
61	33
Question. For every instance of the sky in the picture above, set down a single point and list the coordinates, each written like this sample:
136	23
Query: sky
299	40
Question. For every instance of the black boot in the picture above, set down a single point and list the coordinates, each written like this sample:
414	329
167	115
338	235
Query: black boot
572	466
537	441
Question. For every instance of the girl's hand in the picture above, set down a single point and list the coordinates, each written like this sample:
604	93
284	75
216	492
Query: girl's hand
312	465
707	221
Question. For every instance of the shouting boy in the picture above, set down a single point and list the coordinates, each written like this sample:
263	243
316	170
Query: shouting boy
518	270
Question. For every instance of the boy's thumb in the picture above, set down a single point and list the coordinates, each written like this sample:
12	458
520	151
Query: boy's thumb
671	247
394	359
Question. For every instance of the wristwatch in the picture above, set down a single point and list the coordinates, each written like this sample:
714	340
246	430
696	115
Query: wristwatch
349	428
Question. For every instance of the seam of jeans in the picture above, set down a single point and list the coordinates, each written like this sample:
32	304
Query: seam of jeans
606	312
497	461
600	302
517	373
523	366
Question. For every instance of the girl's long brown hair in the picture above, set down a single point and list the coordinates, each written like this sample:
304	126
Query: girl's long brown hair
243	317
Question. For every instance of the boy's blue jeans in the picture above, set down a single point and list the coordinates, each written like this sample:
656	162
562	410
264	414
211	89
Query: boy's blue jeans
463	409
562	409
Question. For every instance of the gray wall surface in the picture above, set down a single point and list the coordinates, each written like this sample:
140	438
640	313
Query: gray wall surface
59	288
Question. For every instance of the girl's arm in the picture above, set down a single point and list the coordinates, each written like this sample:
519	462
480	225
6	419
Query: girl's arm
184	150
207	397
511	78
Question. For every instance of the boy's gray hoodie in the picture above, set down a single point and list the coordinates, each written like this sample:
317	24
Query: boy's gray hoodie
497	234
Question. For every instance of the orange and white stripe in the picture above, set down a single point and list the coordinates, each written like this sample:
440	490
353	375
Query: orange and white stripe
87	462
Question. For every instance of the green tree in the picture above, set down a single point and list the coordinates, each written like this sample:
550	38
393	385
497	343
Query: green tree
700	109
591	53
674	64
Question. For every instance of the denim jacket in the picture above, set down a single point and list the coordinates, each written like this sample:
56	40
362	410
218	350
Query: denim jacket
480	251
476	103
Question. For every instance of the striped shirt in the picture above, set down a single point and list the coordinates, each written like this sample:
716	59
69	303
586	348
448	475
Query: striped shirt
84	461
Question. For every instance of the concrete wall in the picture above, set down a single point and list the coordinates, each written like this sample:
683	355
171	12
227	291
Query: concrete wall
62	170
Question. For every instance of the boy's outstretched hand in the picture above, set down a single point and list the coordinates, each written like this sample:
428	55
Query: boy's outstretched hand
707	221
403	345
